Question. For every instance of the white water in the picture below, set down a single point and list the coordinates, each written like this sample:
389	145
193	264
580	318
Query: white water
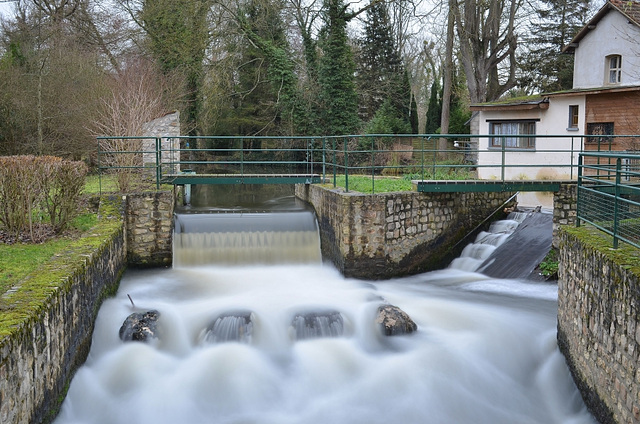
485	352
474	254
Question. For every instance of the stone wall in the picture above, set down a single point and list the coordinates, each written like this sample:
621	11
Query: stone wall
565	209
149	218
165	127
393	234
46	323
599	322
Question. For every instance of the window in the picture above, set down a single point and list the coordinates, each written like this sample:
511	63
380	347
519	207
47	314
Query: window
613	69
600	133
574	111
515	129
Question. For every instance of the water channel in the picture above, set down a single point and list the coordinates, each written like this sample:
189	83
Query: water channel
485	351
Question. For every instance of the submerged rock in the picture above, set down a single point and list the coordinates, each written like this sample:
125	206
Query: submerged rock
140	326
311	325
394	321
230	327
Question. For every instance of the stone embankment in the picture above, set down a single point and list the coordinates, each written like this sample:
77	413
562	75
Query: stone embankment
599	322
46	321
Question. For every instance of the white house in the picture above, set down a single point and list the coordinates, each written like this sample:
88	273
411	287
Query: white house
605	100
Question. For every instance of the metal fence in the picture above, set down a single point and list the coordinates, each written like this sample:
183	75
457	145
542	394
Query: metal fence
609	194
418	157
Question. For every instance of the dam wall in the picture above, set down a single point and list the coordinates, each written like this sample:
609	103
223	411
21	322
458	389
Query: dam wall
392	234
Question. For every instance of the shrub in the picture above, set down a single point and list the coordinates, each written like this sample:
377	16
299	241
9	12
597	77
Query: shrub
35	187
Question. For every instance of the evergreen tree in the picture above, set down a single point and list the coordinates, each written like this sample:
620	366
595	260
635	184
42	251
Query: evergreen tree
434	109
544	67
381	76
178	36
338	98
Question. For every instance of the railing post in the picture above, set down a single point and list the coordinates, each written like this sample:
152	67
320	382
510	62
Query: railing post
324	159
242	157
373	169
346	165
422	156
615	203
504	155
572	153
158	162
578	190
335	164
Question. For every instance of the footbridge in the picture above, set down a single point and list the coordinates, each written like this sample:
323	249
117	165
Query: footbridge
433	163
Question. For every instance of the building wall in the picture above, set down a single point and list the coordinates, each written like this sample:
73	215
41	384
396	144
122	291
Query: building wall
599	325
623	109
613	35
552	150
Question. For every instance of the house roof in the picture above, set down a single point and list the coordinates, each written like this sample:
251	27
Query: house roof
628	8
514	103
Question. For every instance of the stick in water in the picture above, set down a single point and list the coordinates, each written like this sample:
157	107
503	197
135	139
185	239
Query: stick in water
131	300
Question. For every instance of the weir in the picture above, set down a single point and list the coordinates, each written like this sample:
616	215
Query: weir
294	341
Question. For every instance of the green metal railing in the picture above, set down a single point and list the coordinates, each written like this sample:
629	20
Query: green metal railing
418	157
609	194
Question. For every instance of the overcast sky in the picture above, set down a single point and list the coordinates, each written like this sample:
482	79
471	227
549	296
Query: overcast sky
5	7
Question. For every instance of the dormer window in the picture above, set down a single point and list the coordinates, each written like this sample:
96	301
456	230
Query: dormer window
613	69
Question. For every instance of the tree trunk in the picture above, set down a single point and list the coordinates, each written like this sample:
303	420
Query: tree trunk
447	82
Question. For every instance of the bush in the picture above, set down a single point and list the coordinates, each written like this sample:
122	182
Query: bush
38	188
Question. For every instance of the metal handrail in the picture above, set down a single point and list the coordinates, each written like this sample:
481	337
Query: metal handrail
609	195
371	155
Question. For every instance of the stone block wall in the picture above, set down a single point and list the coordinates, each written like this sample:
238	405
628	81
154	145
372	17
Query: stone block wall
47	321
392	234
599	323
565	209
149	218
165	127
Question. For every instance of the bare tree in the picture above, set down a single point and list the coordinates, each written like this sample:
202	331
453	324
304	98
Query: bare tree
136	96
488	42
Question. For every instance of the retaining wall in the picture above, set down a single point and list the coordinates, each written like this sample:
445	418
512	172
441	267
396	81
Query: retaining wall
46	322
599	322
392	234
149	218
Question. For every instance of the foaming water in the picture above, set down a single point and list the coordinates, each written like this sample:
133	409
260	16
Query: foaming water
485	352
246	238
486	242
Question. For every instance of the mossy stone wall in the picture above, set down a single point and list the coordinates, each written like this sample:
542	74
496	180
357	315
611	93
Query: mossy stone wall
47	321
599	322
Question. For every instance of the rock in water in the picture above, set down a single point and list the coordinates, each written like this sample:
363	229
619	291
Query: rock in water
230	327
311	325
140	326
394	321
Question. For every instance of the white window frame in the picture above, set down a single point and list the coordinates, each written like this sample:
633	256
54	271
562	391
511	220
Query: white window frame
516	128
574	117
613	69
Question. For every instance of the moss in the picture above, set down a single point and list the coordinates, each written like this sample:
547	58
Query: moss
35	293
625	256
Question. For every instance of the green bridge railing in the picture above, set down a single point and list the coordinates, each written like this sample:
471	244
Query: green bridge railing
609	194
421	157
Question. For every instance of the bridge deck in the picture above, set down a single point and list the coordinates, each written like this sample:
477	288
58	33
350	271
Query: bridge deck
468	186
180	179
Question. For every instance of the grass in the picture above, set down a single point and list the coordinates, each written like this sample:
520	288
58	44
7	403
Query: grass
364	184
20	259
368	185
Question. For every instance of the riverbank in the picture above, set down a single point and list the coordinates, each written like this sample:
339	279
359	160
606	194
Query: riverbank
47	319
